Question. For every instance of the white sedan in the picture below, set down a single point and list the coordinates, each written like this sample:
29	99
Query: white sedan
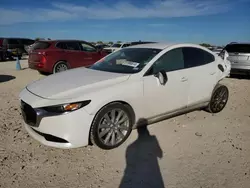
133	86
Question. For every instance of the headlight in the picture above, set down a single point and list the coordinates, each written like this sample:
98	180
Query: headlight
67	107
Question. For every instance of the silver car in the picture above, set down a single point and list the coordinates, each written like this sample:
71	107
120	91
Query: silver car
239	56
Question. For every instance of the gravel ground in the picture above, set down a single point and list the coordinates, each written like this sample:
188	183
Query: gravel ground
196	150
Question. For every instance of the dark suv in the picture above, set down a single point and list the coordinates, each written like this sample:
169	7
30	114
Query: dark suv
54	56
14	47
239	56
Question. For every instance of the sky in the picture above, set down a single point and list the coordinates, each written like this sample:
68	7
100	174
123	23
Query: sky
216	22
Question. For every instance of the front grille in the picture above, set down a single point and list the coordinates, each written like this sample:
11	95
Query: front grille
50	137
29	114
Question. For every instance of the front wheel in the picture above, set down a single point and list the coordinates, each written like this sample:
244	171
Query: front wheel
111	126
219	99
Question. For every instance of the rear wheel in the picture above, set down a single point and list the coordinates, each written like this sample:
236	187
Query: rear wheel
60	67
111	126
219	99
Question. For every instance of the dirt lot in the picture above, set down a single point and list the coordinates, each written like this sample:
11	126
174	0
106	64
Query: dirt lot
191	151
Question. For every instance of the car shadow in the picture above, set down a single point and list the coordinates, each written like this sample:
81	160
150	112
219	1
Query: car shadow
142	168
6	78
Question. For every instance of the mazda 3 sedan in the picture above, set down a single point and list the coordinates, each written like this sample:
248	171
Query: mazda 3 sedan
101	104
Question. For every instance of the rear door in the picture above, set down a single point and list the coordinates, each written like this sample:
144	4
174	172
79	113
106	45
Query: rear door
239	54
202	74
72	53
90	54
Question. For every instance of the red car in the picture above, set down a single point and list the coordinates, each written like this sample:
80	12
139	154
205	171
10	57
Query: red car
54	56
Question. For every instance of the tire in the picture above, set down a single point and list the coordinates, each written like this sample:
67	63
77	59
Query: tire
218	100
60	67
107	134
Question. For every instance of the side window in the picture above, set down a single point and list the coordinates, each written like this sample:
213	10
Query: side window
73	46
87	48
61	45
170	61
194	57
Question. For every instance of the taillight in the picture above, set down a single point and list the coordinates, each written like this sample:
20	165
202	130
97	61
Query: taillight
43	60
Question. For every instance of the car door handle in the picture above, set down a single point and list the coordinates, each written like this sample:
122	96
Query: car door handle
183	79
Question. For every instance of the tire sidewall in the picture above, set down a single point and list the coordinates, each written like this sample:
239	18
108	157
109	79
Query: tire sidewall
99	116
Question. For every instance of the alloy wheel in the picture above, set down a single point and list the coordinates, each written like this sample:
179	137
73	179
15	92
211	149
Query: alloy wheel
113	127
219	100
61	67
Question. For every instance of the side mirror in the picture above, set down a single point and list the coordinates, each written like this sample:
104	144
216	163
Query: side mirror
162	77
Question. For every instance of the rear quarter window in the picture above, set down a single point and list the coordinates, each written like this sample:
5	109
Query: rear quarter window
41	45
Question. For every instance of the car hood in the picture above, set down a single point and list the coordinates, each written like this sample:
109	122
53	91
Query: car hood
74	83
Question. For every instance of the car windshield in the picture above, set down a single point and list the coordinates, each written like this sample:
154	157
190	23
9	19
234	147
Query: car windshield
117	45
127	60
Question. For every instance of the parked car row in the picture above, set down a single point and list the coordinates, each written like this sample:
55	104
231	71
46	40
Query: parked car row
117	46
130	87
55	56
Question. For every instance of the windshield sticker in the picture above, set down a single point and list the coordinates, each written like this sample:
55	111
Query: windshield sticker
120	61
131	64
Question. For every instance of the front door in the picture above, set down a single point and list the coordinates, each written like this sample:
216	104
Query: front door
73	54
172	96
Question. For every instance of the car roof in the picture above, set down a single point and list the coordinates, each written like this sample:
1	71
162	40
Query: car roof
161	46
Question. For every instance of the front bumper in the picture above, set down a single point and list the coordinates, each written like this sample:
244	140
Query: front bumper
69	130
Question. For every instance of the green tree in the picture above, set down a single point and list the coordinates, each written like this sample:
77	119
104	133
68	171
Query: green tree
119	41
99	42
110	42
